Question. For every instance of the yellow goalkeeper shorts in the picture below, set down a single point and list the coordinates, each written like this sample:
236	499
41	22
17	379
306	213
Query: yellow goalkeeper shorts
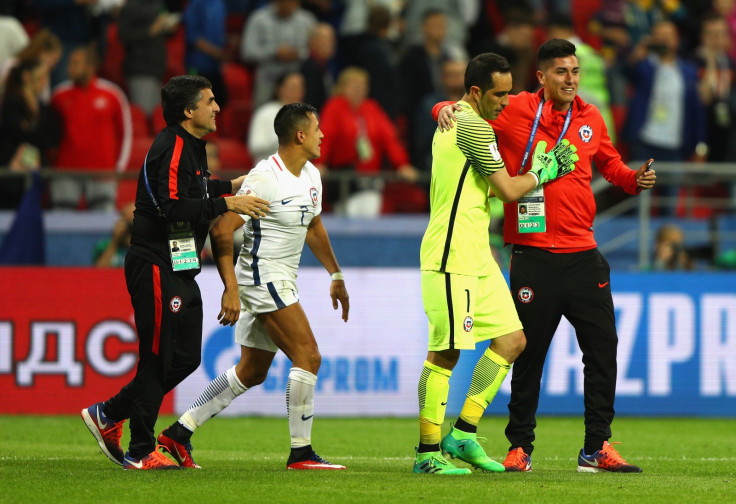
463	310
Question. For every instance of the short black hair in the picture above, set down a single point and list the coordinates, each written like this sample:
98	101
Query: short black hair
181	93
291	118
379	18
554	48
480	70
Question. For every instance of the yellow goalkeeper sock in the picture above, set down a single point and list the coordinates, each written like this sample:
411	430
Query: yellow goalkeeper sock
434	386
488	376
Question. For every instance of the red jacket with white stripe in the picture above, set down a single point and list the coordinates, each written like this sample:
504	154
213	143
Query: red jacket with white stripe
569	201
341	125
97	129
176	169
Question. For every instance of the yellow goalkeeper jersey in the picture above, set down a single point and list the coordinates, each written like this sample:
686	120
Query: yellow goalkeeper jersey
457	239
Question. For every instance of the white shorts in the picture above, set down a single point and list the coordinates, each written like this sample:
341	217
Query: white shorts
255	299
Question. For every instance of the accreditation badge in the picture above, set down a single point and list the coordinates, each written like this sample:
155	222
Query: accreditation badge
530	212
364	148
722	114
182	246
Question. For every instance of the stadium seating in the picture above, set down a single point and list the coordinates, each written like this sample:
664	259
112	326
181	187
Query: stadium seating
402	197
238	82
233	154
111	68
687	195
234	31
234	119
619	113
127	186
157	120
582	11
138	117
175	50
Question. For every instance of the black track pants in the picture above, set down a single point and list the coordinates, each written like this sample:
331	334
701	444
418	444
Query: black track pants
546	286
168	318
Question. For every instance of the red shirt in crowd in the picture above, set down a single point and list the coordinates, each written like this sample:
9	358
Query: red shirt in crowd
342	125
97	129
569	201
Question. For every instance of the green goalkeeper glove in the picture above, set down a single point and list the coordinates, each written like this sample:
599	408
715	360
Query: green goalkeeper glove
560	161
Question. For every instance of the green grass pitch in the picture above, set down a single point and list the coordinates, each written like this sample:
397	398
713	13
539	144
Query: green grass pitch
56	460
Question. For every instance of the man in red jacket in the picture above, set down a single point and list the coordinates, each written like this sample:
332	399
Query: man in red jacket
556	268
97	134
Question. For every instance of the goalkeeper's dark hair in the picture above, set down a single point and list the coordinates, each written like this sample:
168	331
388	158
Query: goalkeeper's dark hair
552	49
182	93
290	119
480	70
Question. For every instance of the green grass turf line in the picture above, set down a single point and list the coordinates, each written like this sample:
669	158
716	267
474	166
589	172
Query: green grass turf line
56	460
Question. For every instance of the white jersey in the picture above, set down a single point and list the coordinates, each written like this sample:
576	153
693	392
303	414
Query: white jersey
272	245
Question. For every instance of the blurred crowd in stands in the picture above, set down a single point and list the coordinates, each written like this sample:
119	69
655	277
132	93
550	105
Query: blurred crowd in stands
80	83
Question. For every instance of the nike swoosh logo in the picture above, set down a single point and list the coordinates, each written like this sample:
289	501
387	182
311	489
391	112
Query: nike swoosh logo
443	404
100	423
306	418
593	462
286	201
601	285
137	465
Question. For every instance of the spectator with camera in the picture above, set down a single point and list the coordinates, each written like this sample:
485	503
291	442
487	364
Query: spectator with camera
666	118
669	250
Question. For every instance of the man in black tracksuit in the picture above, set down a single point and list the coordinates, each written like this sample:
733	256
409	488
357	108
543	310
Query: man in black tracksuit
175	201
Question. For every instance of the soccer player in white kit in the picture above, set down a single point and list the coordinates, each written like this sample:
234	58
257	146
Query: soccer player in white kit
261	294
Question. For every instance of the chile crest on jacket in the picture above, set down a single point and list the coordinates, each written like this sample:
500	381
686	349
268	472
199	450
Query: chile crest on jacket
586	133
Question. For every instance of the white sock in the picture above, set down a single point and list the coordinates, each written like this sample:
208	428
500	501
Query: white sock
216	396
300	406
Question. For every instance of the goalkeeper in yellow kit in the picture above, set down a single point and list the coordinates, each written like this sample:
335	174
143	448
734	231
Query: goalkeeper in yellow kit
465	296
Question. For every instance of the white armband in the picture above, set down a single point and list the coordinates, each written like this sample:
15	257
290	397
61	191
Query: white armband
338	275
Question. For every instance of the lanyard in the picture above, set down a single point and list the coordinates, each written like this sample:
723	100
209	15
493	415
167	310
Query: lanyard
534	132
148	187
